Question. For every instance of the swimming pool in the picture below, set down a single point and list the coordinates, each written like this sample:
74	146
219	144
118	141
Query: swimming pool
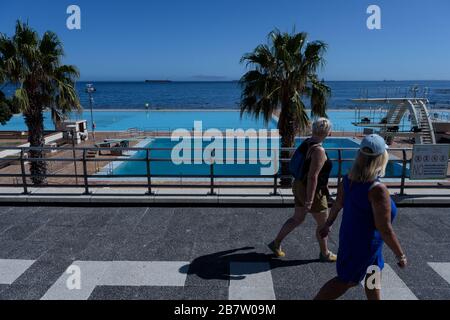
168	120
121	120
169	169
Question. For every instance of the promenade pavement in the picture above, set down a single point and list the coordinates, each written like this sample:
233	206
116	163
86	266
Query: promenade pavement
197	253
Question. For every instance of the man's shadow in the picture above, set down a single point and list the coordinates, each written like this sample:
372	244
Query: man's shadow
217	265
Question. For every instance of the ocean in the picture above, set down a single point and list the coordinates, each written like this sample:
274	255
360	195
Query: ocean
226	95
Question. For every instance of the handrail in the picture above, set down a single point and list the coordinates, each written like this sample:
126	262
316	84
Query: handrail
47	148
210	180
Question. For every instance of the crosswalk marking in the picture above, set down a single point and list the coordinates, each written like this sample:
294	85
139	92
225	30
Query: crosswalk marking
250	280
11	269
393	288
253	281
441	268
118	273
153	273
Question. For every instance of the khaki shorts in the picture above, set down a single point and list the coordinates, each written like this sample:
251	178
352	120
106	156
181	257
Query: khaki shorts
320	202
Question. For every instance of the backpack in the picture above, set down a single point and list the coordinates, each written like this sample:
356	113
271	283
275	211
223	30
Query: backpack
297	162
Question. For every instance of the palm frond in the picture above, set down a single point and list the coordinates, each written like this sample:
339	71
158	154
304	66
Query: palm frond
21	97
5	109
314	56
320	93
299	110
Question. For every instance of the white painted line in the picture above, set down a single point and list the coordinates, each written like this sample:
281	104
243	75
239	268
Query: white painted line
151	273
393	288
11	269
117	273
256	282
441	268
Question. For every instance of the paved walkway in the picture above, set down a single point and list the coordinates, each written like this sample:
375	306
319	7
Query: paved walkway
196	253
161	196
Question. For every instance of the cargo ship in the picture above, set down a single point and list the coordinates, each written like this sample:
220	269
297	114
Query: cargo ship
158	81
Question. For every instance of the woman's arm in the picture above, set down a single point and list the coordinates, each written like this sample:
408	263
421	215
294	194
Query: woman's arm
318	158
381	207
335	209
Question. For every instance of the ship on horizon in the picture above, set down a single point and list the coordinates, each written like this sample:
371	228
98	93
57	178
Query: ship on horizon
158	81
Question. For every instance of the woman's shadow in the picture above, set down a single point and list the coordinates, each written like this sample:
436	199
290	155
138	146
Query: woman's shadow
217	265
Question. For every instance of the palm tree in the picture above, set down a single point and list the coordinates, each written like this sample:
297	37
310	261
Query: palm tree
33	65
283	72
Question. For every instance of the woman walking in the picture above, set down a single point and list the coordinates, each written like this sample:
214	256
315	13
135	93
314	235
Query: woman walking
311	192
366	224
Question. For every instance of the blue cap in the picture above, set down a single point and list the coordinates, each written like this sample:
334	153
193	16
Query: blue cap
374	143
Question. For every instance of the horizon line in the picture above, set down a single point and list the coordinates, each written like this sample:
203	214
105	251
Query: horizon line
383	80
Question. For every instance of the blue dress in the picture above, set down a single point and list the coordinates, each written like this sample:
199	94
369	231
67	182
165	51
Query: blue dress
360	243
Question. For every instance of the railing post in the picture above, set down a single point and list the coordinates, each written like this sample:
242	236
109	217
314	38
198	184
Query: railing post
402	185
211	175
149	178
275	185
85	174
24	177
275	177
339	166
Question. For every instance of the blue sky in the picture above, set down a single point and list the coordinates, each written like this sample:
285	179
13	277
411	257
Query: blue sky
204	40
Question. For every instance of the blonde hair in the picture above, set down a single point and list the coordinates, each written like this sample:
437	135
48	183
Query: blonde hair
368	168
321	127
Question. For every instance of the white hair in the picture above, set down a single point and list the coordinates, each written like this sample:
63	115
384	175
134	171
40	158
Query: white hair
321	127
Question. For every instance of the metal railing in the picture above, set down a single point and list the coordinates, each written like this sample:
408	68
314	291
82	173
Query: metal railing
89	178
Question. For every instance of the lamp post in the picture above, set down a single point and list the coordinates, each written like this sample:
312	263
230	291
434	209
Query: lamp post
90	90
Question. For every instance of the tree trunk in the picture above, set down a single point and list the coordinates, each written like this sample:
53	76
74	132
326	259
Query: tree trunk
287	128
34	119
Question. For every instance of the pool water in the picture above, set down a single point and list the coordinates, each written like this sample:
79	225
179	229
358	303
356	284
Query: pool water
155	120
170	120
168	168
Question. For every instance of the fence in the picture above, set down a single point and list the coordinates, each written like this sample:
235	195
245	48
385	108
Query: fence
84	176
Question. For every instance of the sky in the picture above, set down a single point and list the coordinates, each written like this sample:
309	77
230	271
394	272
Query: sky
193	40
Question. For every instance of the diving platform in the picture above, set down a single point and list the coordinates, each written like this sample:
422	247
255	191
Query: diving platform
421	124
374	125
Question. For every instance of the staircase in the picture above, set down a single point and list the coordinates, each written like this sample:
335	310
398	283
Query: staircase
421	120
395	115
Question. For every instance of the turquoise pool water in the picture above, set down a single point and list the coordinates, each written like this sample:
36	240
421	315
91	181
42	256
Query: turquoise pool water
115	120
170	120
235	169
152	120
